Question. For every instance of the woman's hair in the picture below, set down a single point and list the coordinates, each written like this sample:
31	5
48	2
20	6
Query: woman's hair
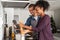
43	4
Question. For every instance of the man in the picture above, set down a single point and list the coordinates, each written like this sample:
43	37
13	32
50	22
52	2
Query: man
32	20
33	17
31	6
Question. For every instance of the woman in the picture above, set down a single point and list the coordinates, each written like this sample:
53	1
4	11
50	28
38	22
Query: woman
43	28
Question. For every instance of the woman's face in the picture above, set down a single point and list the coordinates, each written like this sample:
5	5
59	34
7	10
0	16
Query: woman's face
39	10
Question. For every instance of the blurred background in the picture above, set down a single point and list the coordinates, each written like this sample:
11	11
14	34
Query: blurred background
18	10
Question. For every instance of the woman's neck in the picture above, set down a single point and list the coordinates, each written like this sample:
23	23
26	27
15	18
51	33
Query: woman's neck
43	14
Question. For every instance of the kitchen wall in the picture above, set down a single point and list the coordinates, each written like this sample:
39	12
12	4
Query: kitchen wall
57	17
22	13
10	17
1	22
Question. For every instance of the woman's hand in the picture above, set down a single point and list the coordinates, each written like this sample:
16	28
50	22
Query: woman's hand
24	26
28	27
27	31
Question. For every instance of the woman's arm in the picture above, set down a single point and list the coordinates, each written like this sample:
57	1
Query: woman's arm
23	32
42	24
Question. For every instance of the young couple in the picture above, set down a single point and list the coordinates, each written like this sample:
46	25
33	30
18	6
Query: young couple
39	22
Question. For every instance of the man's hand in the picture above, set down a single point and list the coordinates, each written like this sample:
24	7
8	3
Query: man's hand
21	24
24	26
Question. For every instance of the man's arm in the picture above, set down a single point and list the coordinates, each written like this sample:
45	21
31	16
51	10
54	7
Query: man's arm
28	22
24	26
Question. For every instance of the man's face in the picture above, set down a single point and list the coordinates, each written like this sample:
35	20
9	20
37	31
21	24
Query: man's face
31	10
35	12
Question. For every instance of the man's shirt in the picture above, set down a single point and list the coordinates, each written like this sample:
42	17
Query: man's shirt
32	21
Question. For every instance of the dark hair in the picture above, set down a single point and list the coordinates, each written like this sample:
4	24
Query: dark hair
43	4
14	22
31	5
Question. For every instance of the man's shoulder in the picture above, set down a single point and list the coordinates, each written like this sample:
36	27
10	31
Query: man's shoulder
30	17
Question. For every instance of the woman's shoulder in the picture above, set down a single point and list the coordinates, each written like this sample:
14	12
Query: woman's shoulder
47	16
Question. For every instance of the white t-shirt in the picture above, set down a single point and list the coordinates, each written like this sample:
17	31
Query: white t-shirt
36	17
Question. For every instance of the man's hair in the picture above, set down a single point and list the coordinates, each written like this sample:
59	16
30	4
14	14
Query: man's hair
31	5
